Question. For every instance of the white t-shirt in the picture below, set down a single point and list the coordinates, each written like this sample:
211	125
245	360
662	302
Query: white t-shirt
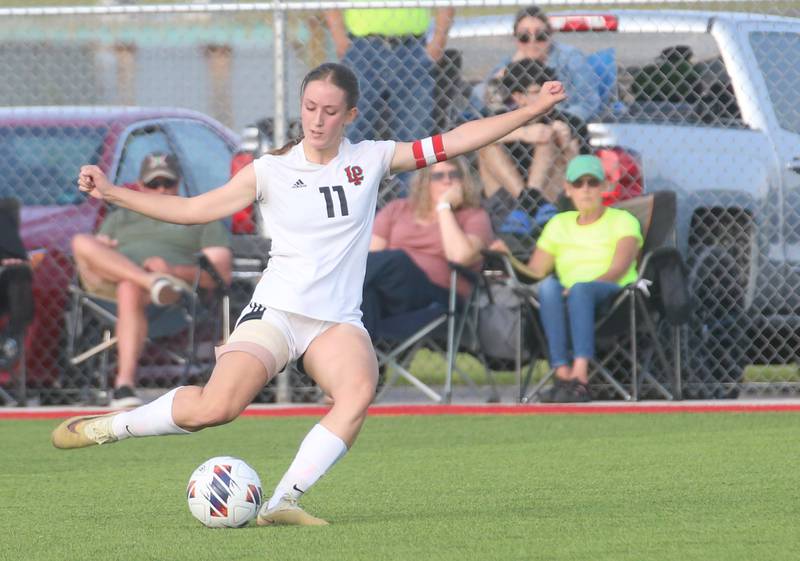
320	218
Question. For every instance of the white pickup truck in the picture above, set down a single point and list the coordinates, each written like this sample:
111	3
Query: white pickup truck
710	102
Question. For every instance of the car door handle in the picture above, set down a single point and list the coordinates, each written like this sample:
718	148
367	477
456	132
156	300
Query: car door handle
794	165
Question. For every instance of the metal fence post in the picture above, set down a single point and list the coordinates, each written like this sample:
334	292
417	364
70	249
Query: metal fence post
280	74
283	391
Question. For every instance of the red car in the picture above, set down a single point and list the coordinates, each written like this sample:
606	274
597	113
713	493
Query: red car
41	150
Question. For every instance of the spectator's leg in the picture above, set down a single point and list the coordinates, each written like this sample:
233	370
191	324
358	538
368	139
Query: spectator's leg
98	262
499	205
540	172
554	320
131	330
397	284
370	309
411	92
498	171
584	299
566	148
365	59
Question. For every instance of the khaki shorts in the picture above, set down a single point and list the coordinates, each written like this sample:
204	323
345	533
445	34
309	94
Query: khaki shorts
102	289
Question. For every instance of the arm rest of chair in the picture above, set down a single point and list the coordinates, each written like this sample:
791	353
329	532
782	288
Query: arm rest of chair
465	272
204	263
664	266
515	268
660	257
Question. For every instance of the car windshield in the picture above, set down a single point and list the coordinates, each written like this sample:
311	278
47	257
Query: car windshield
773	50
39	164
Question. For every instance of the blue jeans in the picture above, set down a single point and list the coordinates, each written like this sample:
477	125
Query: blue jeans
585	299
396	84
393	285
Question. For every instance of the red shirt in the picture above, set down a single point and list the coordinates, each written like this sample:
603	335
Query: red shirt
397	224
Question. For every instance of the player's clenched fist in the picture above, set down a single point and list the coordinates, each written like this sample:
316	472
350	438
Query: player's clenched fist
550	94
93	181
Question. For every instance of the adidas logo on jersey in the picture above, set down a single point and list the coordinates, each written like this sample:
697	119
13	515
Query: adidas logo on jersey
298	184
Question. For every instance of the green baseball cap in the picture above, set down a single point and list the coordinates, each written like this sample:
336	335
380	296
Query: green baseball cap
585	165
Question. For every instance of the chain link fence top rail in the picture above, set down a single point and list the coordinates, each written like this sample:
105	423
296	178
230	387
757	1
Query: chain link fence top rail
698	97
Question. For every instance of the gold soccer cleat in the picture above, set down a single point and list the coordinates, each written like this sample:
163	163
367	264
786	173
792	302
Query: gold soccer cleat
83	431
287	512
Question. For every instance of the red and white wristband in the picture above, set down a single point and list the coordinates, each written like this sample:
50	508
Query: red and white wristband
428	151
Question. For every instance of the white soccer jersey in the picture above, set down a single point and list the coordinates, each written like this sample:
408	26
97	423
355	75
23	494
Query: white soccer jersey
320	218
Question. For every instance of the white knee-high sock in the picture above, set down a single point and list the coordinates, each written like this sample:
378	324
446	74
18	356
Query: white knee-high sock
318	452
151	419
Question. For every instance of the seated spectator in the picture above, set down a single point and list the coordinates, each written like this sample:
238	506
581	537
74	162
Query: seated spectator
138	260
16	288
414	238
522	173
672	78
533	37
592	251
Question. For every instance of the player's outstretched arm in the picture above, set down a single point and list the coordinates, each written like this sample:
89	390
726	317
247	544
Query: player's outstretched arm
474	134
219	203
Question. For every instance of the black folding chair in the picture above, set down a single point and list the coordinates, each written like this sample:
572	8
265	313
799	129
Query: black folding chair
174	335
446	331
509	330
16	304
637	337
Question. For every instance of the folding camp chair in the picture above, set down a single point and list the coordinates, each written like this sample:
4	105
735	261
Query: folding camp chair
509	331
16	284
444	330
631	333
173	337
13	280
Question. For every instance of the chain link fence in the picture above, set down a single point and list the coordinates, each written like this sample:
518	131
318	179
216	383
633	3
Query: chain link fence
702	98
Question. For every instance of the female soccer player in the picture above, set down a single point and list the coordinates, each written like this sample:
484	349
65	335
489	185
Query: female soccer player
318	195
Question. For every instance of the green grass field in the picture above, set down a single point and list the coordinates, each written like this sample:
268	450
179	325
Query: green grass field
584	487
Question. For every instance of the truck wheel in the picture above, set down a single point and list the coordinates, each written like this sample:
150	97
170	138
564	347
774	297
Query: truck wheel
715	340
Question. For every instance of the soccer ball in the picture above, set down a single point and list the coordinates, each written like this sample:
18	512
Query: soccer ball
224	492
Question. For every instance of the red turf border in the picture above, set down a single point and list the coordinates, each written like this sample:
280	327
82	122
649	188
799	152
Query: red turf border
422	410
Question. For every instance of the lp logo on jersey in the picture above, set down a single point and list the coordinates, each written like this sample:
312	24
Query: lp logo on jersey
355	174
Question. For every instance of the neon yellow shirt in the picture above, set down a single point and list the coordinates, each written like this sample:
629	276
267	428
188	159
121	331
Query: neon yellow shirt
391	22
584	252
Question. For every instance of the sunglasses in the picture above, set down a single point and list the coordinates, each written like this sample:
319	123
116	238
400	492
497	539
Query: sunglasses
539	36
591	182
440	175
161	182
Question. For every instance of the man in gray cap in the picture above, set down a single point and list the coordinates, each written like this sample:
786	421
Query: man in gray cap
137	261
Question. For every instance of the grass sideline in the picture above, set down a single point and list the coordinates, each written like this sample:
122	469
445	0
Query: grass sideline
612	487
430	368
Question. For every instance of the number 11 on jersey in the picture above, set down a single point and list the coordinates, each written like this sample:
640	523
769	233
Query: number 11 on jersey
339	190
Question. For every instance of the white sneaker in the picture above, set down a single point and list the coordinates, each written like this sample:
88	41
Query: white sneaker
83	431
166	290
287	512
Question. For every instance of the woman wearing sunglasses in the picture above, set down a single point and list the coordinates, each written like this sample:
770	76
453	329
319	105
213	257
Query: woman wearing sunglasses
414	238
533	38
592	252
